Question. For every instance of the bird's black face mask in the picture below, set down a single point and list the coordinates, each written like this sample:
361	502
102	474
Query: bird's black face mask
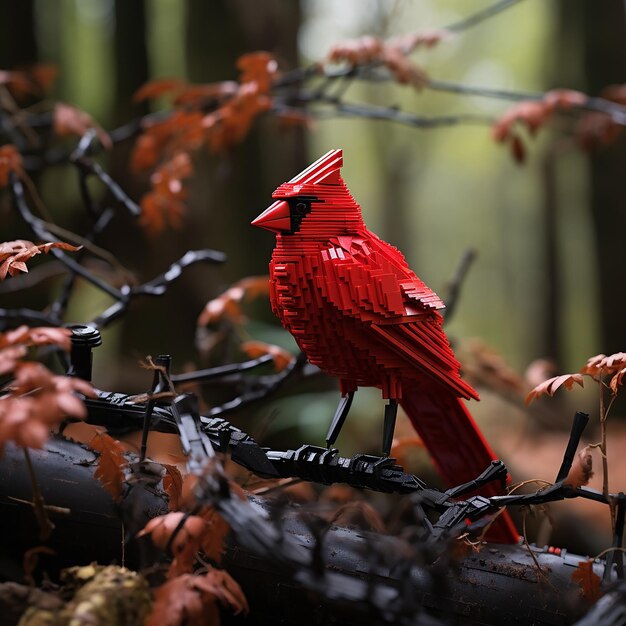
299	208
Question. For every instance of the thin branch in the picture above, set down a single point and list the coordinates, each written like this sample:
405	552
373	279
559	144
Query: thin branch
453	288
39	228
157	286
480	16
39	506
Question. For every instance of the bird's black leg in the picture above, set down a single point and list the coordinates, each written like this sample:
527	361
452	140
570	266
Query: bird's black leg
391	410
340	417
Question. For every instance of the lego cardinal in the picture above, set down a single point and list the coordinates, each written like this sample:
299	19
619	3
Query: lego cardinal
360	314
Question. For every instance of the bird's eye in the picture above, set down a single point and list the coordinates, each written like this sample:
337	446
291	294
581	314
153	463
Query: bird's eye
300	208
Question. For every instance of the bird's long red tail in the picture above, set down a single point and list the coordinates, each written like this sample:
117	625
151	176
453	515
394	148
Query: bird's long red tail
456	445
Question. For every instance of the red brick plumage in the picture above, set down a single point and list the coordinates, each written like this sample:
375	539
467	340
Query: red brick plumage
361	314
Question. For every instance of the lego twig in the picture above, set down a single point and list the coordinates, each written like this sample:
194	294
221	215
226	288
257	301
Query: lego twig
453	288
258	388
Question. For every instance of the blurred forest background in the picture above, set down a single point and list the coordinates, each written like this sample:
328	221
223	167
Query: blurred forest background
548	279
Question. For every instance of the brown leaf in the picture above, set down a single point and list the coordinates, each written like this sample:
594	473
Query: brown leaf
533	114
358	515
163	206
601	364
221	584
13	254
190	600
111	464
182	534
157	88
548	387
518	150
593	365
213	540
30	561
582	469
400	446
198	95
179	603
9	358
69	120
613	362
281	357
37	400
616	381
173	486
37	336
588	581
227	304
258	67
10	162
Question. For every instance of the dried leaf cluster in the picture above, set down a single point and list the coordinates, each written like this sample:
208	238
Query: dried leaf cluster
191	600
214	116
600	368
14	254
391	53
10	162
532	115
35	400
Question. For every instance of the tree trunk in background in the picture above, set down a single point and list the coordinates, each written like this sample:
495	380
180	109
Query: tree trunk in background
598	62
242	180
552	300
227	190
604	38
18	44
131	58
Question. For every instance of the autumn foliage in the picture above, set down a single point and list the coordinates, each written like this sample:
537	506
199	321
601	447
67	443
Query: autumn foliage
35	400
214	116
14	254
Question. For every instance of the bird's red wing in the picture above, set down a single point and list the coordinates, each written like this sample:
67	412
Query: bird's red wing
366	274
395	308
424	345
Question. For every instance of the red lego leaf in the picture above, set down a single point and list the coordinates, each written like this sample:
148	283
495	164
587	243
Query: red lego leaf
549	387
111	463
588	581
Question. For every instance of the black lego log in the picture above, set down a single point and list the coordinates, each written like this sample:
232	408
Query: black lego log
357	577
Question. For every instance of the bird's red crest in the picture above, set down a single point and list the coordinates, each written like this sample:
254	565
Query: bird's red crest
325	171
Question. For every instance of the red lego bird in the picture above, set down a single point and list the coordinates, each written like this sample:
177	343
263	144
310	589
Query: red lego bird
359	313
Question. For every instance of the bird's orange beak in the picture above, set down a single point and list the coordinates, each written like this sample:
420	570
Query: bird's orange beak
275	218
